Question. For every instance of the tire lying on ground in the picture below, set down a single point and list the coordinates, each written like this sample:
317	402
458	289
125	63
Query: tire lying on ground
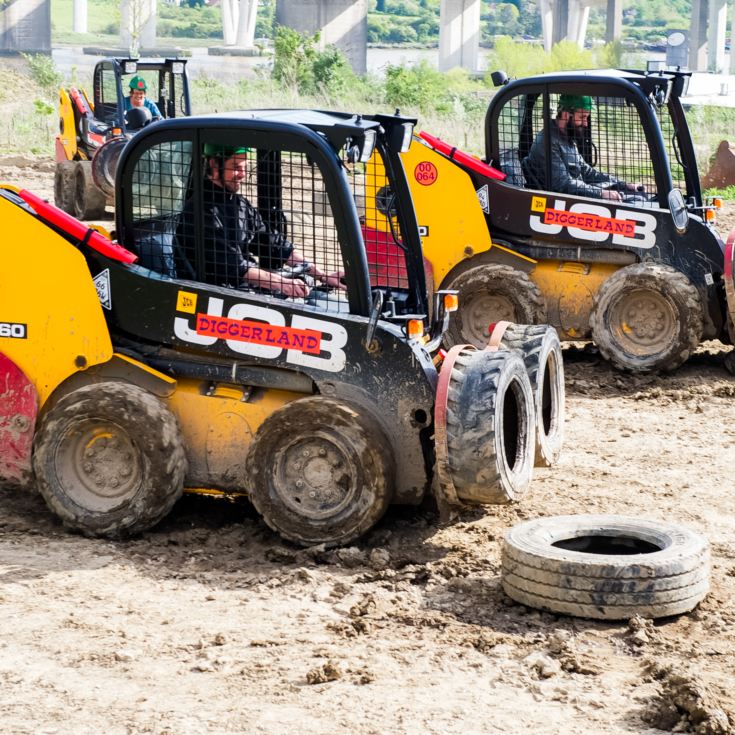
647	317
540	349
604	566
490	426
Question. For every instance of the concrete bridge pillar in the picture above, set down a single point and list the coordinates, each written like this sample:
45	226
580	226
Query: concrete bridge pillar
138	24
717	22
698	36
459	34
566	20
342	23
79	16
25	25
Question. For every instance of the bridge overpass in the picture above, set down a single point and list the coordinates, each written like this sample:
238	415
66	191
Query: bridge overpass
25	25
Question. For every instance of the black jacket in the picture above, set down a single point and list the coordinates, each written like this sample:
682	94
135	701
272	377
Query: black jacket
235	237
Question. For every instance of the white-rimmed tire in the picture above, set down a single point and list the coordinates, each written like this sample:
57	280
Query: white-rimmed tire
605	566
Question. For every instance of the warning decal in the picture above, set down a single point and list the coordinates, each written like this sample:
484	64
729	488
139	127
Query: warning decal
288	338
102	284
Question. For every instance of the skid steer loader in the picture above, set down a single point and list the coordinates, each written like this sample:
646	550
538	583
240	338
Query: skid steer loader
641	276
92	132
133	369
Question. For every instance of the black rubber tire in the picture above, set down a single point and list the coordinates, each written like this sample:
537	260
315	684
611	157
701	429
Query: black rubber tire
343	461
488	294
109	460
630	566
647	317
89	200
540	349
64	183
490	427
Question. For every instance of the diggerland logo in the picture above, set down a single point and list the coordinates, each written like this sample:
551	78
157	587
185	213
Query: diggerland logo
590	222
287	338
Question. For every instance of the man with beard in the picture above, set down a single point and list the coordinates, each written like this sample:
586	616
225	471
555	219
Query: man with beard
242	250
570	173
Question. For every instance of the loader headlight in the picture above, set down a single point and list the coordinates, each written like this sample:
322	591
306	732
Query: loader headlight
400	137
130	66
177	67
368	146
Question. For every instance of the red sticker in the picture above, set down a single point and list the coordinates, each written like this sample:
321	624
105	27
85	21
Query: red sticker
241	330
425	173
591	222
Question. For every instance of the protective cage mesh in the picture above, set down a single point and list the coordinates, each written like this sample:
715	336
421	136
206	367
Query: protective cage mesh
610	152
270	229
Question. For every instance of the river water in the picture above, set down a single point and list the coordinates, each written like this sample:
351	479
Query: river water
705	88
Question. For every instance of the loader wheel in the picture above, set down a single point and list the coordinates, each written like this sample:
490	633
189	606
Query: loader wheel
109	460
490	294
541	352
320	472
89	200
605	567
490	426
64	184
647	317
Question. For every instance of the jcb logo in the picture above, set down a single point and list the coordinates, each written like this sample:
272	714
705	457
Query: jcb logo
13	330
258	331
595	223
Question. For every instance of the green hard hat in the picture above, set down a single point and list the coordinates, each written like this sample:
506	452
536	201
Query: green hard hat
575	102
138	83
225	151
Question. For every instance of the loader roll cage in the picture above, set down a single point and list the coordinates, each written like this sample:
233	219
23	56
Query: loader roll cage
168	87
305	178
637	128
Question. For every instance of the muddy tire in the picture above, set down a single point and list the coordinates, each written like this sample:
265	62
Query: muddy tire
109	460
647	317
541	352
605	567
490	427
64	184
489	294
320	471
89	200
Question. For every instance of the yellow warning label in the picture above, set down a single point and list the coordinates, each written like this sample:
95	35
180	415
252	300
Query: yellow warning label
538	204
186	302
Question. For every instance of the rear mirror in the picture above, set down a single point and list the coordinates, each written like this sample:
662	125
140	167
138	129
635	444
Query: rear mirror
679	211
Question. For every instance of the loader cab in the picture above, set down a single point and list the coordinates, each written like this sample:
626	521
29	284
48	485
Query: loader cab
303	174
637	131
167	81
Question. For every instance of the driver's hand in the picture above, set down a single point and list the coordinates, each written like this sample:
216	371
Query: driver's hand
334	280
613	195
294	288
636	187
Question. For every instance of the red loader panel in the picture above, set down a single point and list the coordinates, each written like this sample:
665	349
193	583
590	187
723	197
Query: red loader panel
18	409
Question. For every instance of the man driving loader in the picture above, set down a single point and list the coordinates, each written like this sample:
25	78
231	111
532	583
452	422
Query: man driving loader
570	173
243	250
137	98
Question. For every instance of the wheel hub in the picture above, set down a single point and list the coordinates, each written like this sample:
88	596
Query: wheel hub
646	321
99	465
481	311
314	478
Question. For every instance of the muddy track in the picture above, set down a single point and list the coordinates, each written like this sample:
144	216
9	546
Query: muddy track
211	624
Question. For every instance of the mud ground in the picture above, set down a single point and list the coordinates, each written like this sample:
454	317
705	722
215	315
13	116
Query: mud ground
211	624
